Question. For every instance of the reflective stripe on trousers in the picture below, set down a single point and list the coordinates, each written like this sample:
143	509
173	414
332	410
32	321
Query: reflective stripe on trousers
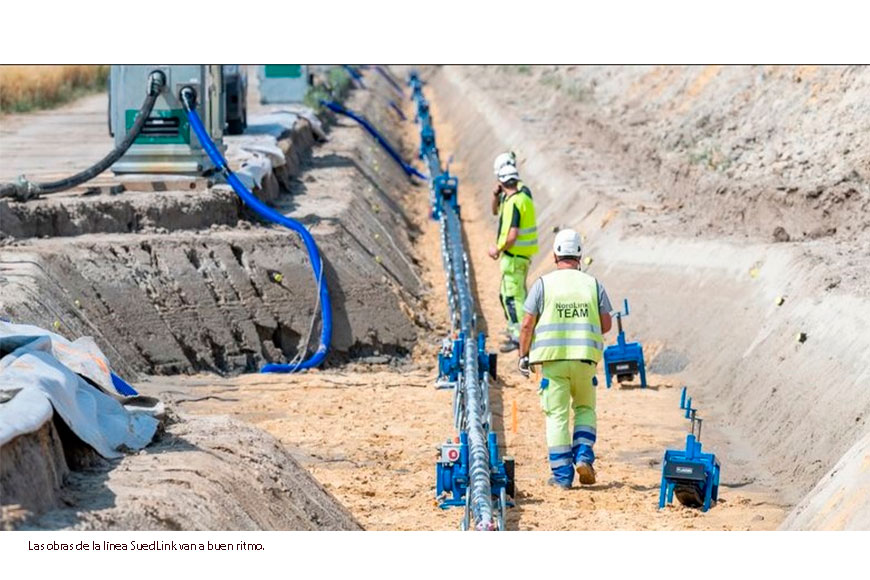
584	435
562	463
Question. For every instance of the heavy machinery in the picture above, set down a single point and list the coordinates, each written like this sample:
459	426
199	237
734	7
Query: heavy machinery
283	83
165	143
235	79
624	359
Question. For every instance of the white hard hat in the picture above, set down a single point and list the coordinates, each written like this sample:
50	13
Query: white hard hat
567	243
509	158
507	173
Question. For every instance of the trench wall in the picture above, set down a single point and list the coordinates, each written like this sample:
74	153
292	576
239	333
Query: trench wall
184	281
706	310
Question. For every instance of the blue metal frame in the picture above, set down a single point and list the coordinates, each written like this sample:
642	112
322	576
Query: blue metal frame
624	352
450	361
451	479
690	456
479	477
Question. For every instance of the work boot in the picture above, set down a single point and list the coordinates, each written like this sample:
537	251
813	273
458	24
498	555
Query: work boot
585	473
509	345
556	483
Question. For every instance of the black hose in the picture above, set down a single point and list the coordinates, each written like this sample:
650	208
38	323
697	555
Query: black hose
23	189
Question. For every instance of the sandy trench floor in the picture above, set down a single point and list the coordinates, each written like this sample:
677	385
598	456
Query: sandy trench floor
370	434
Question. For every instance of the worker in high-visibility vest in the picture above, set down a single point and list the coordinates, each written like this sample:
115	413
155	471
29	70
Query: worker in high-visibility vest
516	243
567	313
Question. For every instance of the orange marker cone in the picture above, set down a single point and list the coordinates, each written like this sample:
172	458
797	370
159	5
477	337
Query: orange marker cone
514	417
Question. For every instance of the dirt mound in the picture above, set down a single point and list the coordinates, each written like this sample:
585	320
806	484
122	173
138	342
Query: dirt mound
203	473
185	281
32	471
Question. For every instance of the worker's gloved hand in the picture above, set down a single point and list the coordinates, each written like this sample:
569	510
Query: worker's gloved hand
523	365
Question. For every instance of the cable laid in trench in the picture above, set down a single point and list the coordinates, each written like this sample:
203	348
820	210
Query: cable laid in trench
188	99
409	169
471	403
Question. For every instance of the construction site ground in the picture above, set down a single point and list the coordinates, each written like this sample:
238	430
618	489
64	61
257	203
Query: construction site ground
704	266
370	435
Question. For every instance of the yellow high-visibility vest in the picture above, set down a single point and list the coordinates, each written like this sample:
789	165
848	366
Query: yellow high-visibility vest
526	243
569	326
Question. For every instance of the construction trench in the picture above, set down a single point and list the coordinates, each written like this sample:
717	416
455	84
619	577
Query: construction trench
177	284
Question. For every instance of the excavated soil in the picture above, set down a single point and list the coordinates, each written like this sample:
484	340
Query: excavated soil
767	334
779	413
179	281
371	435
202	473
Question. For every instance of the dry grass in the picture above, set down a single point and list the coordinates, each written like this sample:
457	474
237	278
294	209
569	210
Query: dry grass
25	88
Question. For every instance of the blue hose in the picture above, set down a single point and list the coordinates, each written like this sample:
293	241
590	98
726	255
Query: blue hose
398	110
270	214
406	167
355	75
390	80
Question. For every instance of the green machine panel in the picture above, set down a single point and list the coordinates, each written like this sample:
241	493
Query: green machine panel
162	127
291	71
282	83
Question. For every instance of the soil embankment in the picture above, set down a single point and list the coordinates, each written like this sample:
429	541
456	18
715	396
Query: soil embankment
767	334
177	281
371	435
717	307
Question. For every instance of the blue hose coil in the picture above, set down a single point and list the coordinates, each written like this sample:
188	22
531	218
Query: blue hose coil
270	214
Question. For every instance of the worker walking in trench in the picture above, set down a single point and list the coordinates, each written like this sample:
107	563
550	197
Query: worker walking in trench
567	313
516	242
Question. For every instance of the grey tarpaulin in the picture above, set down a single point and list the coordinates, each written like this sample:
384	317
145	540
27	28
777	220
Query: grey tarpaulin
41	370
